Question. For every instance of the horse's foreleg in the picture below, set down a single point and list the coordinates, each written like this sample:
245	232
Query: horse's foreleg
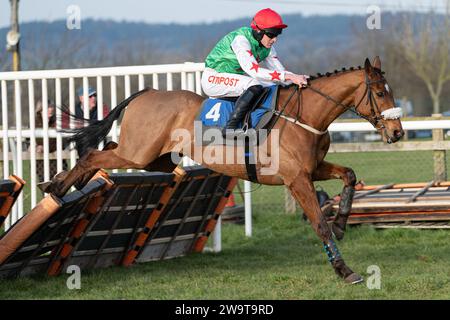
304	192
327	171
92	161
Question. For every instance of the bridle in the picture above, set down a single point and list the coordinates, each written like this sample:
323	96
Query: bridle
376	117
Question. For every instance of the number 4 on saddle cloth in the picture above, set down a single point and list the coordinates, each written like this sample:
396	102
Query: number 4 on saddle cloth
215	113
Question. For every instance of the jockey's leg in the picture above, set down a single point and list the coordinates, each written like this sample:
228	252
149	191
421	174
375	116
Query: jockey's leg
242	106
219	85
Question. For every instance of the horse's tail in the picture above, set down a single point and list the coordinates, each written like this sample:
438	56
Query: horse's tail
91	135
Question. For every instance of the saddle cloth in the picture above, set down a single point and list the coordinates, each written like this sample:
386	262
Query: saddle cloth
217	112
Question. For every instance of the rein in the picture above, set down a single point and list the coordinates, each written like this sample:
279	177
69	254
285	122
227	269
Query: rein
296	120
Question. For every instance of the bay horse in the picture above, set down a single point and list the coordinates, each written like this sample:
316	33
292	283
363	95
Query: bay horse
304	116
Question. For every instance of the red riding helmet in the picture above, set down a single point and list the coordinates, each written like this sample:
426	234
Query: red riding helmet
266	19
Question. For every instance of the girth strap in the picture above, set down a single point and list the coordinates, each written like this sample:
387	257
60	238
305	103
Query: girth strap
250	163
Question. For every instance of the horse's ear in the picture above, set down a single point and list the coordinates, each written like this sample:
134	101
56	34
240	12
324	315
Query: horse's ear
377	62
367	66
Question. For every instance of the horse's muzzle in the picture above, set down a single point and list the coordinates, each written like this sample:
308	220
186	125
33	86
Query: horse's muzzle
397	134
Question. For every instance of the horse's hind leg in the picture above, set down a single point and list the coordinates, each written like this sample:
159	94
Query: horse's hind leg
327	171
92	161
84	179
163	163
303	191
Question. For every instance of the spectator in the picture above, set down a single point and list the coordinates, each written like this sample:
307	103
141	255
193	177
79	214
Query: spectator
51	118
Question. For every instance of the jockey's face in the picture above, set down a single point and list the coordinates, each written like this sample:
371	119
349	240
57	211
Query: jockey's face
268	42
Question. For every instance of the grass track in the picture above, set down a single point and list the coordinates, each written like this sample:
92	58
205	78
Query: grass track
284	259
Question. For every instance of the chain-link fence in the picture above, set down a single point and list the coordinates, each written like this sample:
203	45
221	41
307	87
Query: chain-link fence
373	168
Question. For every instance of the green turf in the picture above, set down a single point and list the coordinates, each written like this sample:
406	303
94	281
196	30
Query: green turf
284	259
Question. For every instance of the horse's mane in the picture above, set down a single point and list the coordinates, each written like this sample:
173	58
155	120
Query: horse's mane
338	72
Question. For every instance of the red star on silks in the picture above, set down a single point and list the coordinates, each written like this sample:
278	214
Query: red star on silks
250	53
255	66
275	75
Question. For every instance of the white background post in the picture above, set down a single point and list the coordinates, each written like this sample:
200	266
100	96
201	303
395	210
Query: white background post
217	236
248	208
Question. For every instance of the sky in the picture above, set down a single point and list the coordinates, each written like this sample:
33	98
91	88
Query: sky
197	11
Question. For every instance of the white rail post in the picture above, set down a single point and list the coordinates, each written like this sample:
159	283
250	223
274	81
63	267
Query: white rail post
127	85
18	107
85	105
73	152
141	82
155	82
5	129
198	83
169	81
5	140
248	208
190	78
183	81
439	155
100	114
44	116
32	113
59	144
217	236
113	105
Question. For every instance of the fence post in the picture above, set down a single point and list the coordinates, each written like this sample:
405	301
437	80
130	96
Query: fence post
439	155
289	202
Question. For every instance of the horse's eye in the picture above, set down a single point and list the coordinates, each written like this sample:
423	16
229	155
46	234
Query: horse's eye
380	94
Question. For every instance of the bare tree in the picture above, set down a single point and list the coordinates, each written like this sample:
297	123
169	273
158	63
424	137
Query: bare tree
426	47
41	52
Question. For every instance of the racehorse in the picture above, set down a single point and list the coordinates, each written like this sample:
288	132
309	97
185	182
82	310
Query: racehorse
304	115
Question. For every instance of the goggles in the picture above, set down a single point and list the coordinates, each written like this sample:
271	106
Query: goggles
273	32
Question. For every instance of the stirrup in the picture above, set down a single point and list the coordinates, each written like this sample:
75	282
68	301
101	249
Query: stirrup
233	133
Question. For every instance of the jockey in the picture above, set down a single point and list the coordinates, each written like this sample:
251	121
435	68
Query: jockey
233	65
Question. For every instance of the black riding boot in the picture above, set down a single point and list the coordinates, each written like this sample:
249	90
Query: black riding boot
242	106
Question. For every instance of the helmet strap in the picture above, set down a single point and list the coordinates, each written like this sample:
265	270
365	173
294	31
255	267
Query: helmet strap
258	35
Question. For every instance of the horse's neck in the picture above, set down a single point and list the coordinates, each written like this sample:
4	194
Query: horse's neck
319	112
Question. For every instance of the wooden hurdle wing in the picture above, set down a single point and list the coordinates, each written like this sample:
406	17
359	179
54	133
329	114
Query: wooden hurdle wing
410	203
9	191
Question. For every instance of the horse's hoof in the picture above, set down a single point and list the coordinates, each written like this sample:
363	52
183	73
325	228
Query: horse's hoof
43	186
354	278
48	187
